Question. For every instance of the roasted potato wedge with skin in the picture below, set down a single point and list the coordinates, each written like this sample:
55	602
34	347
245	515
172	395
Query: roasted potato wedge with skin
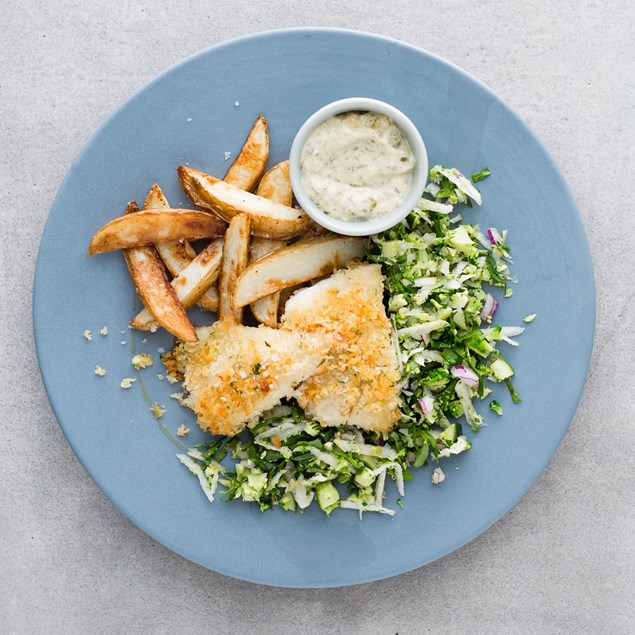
235	259
244	173
175	255
268	219
157	294
265	310
178	255
189	285
291	265
246	170
131	208
154	226
276	185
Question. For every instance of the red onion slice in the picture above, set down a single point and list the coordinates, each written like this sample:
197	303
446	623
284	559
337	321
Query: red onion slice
489	307
426	403
466	375
491	234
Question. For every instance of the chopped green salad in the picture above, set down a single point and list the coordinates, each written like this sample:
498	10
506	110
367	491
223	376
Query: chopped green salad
438	272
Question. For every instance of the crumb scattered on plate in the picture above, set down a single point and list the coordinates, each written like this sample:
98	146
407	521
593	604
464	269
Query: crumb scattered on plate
179	396
127	382
99	371
87	335
142	360
157	411
182	430
103	331
438	476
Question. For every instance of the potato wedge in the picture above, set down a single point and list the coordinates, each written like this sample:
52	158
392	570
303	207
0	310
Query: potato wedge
246	170
276	185
154	226
260	247
294	264
131	208
177	255
268	219
265	310
285	294
189	285
235	259
209	300
149	278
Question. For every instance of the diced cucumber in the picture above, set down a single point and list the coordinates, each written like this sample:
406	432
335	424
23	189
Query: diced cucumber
371	461
500	369
390	249
364	477
327	496
449	435
287	502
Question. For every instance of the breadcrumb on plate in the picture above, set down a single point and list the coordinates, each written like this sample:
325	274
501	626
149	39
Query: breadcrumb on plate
157	411
142	360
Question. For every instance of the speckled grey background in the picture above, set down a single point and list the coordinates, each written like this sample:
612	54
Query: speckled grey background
562	561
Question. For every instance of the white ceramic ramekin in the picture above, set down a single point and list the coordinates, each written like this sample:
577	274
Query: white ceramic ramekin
375	225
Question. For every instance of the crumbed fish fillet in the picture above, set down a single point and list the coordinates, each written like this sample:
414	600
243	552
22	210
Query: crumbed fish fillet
234	373
359	382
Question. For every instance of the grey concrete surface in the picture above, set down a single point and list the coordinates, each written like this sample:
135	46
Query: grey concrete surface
562	561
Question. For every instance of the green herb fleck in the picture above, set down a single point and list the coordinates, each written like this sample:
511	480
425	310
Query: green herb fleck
480	175
496	407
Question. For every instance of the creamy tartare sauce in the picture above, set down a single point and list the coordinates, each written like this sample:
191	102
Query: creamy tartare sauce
357	166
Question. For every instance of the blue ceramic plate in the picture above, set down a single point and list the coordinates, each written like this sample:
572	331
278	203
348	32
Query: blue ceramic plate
194	113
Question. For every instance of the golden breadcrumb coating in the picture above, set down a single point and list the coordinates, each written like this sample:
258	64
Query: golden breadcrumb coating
234	373
359	382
